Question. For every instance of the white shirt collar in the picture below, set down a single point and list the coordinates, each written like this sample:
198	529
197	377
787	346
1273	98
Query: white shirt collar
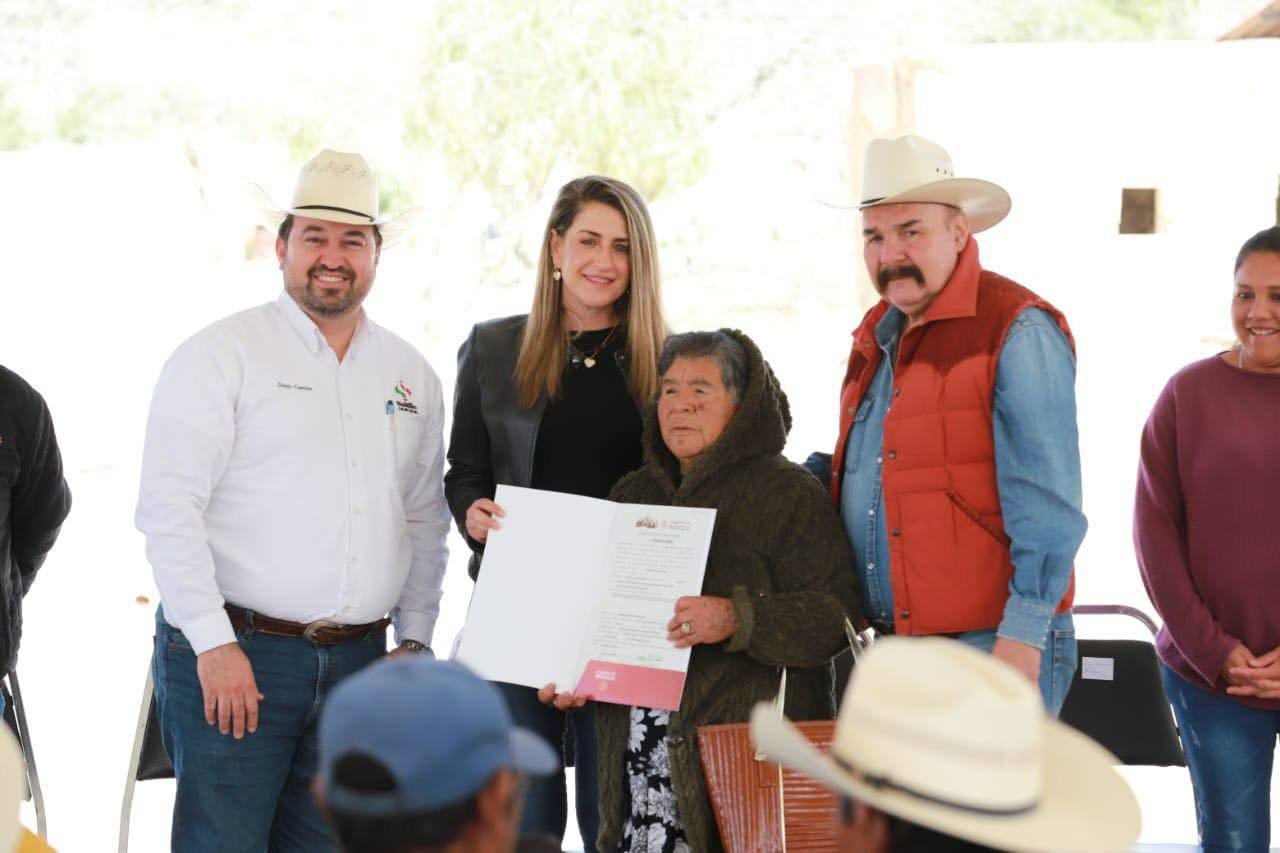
309	332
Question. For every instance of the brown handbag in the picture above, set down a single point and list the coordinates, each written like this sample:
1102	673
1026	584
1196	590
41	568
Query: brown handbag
758	805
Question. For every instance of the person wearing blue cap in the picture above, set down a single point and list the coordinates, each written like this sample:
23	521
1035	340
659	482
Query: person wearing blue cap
422	755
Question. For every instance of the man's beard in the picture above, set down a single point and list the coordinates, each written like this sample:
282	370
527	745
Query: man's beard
888	274
311	298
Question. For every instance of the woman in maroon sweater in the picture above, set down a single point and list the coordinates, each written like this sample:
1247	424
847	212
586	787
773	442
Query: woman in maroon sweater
1207	531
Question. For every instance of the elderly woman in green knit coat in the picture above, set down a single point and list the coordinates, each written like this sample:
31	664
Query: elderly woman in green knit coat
778	585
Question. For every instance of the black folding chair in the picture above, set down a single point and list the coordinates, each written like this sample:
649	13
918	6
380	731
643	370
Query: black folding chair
1117	697
15	717
148	759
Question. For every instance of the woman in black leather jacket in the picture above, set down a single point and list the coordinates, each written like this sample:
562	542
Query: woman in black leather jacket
552	400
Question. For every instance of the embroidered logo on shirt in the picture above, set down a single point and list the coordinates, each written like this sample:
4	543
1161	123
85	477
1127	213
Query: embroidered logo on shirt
403	394
290	386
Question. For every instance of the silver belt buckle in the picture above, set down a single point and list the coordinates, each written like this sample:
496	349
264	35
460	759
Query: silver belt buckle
309	634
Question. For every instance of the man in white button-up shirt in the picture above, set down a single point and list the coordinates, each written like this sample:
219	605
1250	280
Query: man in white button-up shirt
292	497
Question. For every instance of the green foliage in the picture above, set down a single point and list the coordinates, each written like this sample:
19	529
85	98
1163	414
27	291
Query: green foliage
513	91
1084	20
393	198
92	116
13	130
304	138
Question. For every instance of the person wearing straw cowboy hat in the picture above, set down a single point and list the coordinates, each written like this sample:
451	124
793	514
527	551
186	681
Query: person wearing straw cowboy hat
293	505
957	470
965	755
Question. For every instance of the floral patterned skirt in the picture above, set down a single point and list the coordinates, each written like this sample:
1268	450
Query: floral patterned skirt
653	825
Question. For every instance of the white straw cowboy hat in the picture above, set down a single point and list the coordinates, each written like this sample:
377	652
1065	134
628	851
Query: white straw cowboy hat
338	187
957	741
913	169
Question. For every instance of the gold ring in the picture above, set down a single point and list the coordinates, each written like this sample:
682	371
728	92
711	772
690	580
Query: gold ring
686	628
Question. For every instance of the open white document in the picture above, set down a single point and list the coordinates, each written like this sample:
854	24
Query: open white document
577	592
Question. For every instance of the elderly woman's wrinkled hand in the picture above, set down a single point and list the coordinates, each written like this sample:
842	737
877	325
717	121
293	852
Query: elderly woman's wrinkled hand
701	619
561	701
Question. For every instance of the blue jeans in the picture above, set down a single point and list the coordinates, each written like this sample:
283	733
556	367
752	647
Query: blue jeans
1057	661
1229	750
546	802
251	794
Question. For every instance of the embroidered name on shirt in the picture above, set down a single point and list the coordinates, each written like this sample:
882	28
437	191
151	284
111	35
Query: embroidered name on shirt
291	387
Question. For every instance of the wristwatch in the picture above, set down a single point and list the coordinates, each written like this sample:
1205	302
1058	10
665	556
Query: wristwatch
414	646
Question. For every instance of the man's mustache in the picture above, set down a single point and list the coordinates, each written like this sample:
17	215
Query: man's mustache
888	274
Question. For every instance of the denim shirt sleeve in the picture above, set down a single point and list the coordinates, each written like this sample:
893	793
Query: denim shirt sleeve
1037	452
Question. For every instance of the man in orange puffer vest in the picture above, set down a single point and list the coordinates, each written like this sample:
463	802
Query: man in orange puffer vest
957	470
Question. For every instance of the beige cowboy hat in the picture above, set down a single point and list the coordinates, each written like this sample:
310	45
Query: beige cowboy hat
954	740
338	187
913	169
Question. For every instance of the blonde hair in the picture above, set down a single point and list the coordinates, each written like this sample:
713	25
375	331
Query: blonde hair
542	350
